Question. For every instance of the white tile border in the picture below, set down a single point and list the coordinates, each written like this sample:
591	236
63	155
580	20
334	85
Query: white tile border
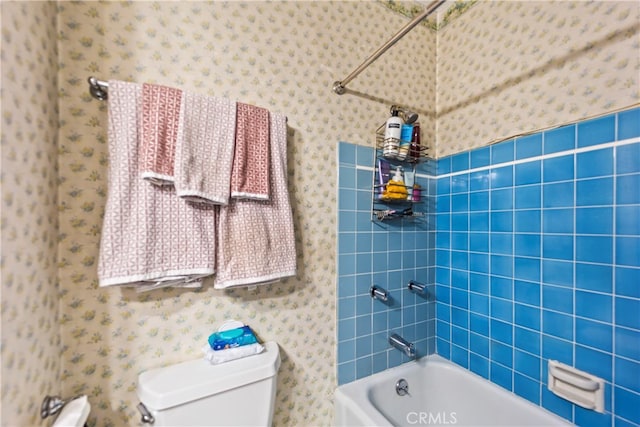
542	157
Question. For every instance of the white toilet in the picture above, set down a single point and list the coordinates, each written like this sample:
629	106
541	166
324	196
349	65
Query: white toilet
196	393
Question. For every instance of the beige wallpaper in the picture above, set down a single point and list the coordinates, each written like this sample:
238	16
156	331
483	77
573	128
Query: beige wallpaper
507	67
503	68
31	345
280	55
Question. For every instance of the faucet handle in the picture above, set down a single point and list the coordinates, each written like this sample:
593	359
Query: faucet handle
418	288
379	293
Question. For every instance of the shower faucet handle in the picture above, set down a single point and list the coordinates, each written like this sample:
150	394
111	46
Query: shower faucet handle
379	293
418	288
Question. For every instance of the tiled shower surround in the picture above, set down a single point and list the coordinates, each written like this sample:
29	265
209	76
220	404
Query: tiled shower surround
388	254
537	258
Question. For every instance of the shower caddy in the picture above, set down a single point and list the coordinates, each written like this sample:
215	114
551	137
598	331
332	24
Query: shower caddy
391	209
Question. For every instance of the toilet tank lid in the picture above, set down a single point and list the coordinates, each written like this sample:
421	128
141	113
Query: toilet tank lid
163	388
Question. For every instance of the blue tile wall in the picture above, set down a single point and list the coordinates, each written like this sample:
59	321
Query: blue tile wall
538	257
387	254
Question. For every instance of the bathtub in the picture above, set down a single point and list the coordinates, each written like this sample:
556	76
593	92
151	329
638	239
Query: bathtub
440	393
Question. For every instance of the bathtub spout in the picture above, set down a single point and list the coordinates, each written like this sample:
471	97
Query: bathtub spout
403	345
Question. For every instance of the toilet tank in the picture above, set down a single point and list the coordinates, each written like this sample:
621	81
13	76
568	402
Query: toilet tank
196	393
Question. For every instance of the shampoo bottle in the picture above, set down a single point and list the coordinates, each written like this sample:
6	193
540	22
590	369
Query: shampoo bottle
392	131
405	141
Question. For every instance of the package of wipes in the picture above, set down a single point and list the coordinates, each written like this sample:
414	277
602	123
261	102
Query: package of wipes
234	340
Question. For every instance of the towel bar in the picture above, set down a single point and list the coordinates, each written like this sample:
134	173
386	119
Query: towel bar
98	88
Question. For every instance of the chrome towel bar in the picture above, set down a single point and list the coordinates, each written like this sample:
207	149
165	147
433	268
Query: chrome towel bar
98	88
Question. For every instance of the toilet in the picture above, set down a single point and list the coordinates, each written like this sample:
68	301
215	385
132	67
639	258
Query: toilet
196	393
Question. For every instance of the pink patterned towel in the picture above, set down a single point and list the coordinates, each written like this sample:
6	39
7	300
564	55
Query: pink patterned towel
159	132
204	151
250	174
150	236
256	243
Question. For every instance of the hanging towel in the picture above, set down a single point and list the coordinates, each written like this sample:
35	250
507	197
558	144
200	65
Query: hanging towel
250	175
256	243
159	132
150	236
204	151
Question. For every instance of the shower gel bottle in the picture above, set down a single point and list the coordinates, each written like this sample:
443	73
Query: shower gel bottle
392	130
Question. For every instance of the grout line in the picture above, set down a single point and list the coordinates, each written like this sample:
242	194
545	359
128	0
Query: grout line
613	281
574	257
541	281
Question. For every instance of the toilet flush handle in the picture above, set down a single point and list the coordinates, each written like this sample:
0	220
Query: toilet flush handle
51	405
147	418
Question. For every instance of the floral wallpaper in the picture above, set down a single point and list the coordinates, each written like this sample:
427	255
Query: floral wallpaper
30	348
511	67
444	14
502	68
283	56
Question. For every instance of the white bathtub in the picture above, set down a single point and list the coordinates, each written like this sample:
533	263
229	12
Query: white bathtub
440	393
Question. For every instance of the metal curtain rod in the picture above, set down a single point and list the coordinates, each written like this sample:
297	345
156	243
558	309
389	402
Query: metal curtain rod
339	87
98	88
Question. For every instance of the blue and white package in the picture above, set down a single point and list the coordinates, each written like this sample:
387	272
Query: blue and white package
232	338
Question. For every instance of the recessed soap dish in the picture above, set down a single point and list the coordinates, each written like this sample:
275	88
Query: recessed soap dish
576	386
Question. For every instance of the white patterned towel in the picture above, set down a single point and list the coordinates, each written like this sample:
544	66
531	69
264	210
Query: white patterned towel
256	243
204	151
150	236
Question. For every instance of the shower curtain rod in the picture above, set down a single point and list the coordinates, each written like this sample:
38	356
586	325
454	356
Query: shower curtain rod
98	88
340	88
